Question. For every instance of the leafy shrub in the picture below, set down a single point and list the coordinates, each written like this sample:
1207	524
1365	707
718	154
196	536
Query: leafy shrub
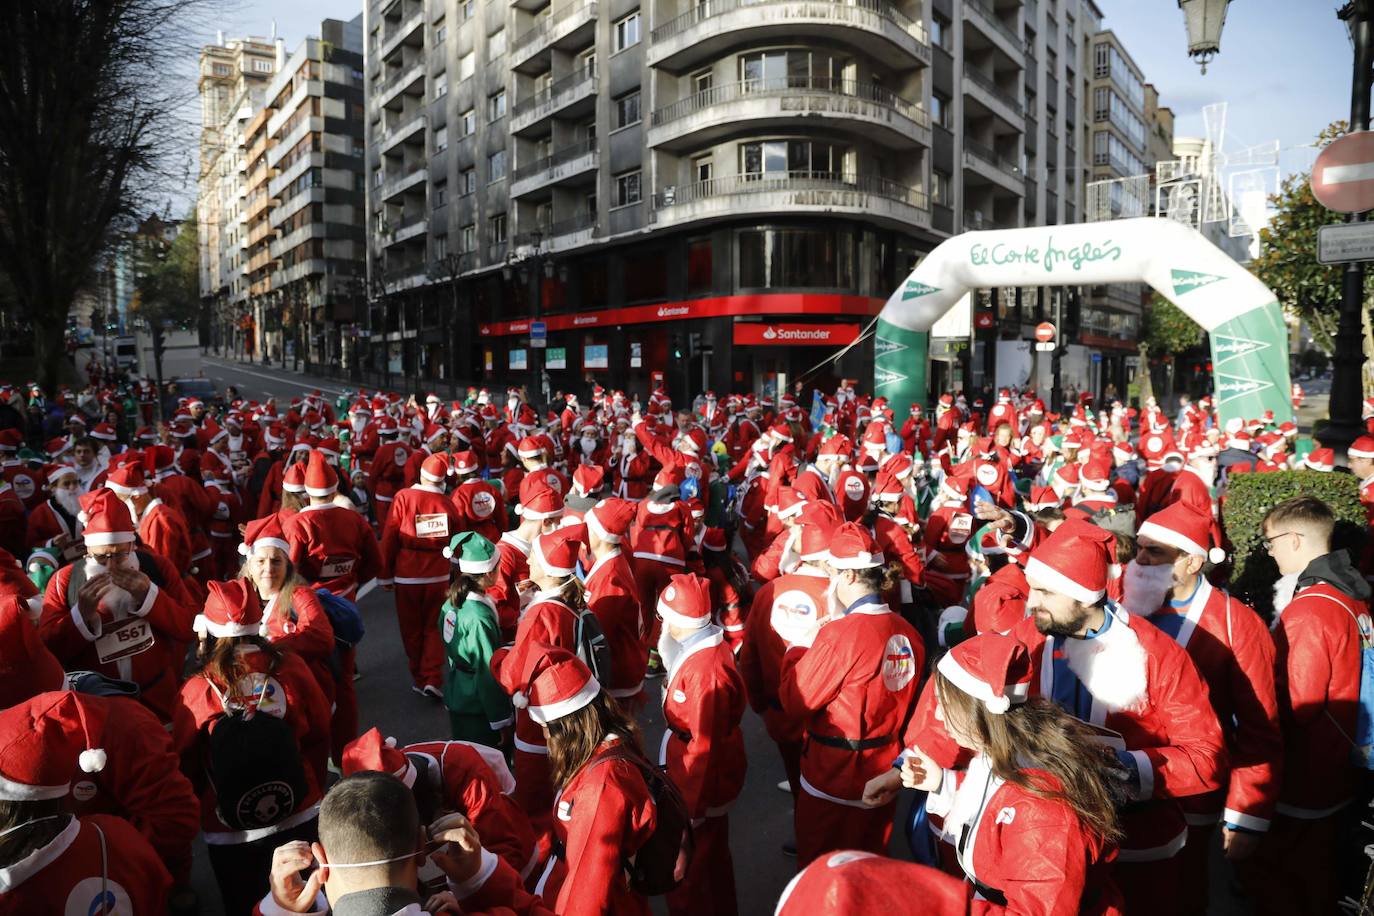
1250	496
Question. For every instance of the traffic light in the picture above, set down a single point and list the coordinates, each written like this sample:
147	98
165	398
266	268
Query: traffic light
677	346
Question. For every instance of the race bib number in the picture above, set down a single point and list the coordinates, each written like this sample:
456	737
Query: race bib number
960	527
431	526
335	567
129	637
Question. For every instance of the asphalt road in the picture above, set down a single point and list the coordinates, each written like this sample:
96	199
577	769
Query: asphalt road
761	819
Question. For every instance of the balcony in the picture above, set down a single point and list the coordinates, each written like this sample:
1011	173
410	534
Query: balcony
714	113
410	31
985	18
410	81
569	28
573	95
561	165
987	163
406	274
412	180
710	28
561	235
988	95
410	227
769	194
411	129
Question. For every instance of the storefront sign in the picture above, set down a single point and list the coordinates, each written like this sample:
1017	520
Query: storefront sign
764	304
556	358
767	334
595	356
517	359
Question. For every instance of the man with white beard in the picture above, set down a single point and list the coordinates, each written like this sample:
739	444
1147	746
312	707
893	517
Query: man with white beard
123	613
1234	653
1321	625
55	522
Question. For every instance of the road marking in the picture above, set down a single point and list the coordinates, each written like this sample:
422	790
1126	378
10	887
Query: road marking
271	378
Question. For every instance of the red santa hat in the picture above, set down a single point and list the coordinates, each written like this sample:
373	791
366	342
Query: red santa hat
263	534
850	881
837	446
1322	459
952	487
790	502
41	741
127	480
611	519
293	478
588	478
671	476
530	447
1070	563
465	463
557	550
1096	475
370	752
1182	527
1363	447
1043	498
320	479
686	601
817	530
232	609
990	667
1241	440
852	547
435	468
27	667
559	684
106	519
104	432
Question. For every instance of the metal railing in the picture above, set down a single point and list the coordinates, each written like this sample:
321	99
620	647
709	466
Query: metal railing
529	103
784	86
990	156
973	219
989	85
552	230
386	134
400	272
832	9
990	16
407	73
556	158
541	31
765	182
393	186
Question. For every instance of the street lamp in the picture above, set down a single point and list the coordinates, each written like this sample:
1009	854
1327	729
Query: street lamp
1204	19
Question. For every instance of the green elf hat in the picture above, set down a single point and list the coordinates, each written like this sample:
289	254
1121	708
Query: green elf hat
983	543
42	564
472	553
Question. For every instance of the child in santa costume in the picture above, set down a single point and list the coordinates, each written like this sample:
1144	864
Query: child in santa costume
415	535
240	671
479	708
604	813
51	861
853	684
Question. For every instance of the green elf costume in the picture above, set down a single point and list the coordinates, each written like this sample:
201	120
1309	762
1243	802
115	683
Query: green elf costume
478	708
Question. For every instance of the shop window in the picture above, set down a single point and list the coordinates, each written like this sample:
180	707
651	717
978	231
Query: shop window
699	266
793	258
640	284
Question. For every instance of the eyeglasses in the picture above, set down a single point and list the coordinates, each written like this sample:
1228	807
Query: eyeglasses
1269	541
109	557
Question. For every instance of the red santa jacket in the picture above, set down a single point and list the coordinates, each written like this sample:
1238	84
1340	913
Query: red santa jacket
1234	653
857	682
800	594
852	489
146	647
661	532
289	693
947	531
654	441
187	495
47	521
65	875
163	530
1318	684
703	703
12	519
480	507
613	596
418	528
386	472
546	622
634	474
333	547
305	629
364	446
512	568
28	483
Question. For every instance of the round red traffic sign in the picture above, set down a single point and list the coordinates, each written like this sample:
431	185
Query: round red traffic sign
1044	332
1343	175
984	321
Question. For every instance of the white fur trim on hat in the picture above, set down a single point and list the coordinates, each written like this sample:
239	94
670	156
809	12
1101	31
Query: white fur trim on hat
202	625
543	715
107	538
979	689
681	620
863	560
477	567
278	543
18	791
1168	536
126	491
322	491
560	571
1059	583
594	524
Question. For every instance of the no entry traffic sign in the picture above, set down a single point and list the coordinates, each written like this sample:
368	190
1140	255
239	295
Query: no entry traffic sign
1044	332
1343	175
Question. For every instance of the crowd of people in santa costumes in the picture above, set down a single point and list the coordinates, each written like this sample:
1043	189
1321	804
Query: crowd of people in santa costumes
1020	617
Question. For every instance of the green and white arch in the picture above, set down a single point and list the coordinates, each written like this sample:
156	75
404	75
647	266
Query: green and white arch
1248	334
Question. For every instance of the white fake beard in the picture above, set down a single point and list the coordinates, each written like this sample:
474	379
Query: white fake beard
69	500
1146	588
357	424
1112	667
668	648
588	445
1207	473
117	601
1283	592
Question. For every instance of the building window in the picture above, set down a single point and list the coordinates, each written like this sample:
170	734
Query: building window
700	277
467	66
496	106
469	237
780	157
496	166
627	188
627	31
496	44
940	32
797	69
627	110
440	33
939	188
1101	59
701	82
792	258
467	181
496	228
262	66
441	139
441	194
469	122
377	178
702	169
941	112
222	69
469	8
440	247
441	85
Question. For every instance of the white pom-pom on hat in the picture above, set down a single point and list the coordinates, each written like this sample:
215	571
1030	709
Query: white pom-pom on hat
448	553
520	700
243	549
92	760
998	705
1216	555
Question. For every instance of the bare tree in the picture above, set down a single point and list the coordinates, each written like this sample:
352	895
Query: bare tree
88	105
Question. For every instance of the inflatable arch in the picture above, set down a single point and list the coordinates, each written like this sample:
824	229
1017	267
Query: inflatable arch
1248	334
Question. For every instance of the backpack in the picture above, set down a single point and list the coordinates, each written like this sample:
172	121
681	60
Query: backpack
1116	519
592	647
255	767
345	618
1362	744
661	863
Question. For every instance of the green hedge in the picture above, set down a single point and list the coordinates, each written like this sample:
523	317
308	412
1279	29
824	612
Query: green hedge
1250	496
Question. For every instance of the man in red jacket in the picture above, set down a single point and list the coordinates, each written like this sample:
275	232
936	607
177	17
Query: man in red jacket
1323	622
161	528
